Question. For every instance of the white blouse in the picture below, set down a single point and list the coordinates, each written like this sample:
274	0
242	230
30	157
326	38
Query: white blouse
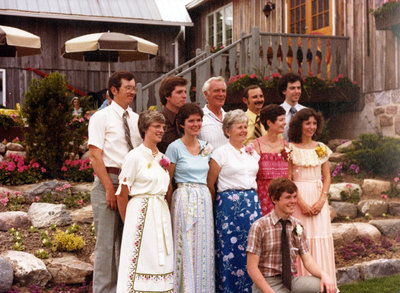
143	174
238	168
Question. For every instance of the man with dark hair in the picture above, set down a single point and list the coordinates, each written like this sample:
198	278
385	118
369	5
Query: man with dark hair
253	97
172	93
113	132
290	87
273	244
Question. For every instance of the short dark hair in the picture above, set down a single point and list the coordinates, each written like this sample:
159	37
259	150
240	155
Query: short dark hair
168	85
115	80
271	113
184	112
280	185
285	79
247	89
295	126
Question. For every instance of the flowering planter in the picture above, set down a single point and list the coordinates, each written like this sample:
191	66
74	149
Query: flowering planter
389	20
12	132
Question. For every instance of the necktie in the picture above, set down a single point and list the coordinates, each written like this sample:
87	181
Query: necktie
292	112
127	131
257	127
286	267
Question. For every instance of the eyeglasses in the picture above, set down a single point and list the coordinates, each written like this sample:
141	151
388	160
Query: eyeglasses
129	88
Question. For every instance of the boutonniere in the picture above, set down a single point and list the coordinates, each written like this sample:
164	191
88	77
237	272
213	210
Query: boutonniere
286	153
249	149
298	230
321	151
206	150
165	162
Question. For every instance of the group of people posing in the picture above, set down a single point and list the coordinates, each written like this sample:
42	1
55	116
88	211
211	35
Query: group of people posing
210	201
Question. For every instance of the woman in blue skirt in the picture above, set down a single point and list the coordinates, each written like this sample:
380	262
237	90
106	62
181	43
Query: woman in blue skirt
233	167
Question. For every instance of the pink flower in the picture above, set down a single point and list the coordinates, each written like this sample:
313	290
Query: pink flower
348	185
4	201
396	179
242	75
165	162
67	185
37	198
249	149
16	139
43	170
276	75
340	76
35	165
80	202
354	82
63	169
311	73
384	196
253	75
335	80
266	78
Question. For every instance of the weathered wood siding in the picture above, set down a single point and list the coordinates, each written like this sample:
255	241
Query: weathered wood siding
86	76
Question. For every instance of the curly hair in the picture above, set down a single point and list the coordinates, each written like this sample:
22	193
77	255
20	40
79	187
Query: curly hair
271	113
184	113
285	79
296	124
168	85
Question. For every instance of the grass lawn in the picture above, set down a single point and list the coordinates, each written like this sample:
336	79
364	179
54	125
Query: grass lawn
390	284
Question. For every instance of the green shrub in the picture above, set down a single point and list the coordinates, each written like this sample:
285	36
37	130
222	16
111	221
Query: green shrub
77	170
63	241
48	110
7	121
375	154
41	253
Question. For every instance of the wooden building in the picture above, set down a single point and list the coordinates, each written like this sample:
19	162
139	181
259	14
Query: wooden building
161	22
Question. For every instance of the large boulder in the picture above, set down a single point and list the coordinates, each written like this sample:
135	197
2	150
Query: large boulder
366	230
6	275
344	209
14	220
45	187
2	148
345	145
337	157
336	188
345	233
347	275
19	153
394	208
374	208
12	146
374	187
389	227
69	270
47	214
379	268
28	269
83	215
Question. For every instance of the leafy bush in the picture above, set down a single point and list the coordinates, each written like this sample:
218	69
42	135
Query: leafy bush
78	127
77	170
16	170
7	121
48	110
41	253
63	241
375	154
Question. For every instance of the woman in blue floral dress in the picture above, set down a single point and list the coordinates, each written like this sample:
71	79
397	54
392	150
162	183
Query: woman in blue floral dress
234	168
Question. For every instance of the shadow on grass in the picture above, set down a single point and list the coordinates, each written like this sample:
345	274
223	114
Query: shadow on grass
390	284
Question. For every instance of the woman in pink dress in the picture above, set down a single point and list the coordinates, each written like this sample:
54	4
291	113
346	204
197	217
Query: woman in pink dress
272	149
309	161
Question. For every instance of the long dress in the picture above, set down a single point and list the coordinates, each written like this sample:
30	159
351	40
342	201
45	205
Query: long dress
237	207
146	258
307	177
271	166
192	221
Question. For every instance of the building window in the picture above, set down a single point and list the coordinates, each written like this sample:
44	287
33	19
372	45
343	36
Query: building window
307	16
220	27
3	87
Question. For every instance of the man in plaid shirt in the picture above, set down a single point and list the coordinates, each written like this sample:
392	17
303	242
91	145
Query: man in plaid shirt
264	255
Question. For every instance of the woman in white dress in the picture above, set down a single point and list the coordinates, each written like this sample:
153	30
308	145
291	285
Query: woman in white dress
146	258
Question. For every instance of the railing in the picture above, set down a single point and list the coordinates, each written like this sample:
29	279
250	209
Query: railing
261	53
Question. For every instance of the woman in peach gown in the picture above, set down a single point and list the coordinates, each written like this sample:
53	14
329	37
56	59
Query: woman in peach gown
309	162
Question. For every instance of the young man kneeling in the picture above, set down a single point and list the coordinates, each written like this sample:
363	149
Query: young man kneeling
272	250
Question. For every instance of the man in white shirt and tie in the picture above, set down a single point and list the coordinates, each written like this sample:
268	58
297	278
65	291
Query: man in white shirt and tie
290	87
214	89
113	132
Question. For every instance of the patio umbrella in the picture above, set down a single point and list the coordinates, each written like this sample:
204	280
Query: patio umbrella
15	42
109	47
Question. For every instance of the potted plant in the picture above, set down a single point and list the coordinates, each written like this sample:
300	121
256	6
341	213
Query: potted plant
387	16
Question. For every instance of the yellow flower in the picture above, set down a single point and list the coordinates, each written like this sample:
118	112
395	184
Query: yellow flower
148	165
321	151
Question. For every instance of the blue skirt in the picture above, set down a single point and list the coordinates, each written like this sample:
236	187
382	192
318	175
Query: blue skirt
235	212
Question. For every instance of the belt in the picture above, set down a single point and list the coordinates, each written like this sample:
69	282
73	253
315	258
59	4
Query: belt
113	170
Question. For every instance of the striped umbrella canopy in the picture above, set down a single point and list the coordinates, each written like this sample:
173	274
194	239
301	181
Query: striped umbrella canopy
15	42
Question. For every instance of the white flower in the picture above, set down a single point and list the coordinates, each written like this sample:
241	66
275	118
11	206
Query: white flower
298	230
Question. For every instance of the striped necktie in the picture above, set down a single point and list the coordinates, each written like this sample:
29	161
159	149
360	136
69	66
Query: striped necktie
127	131
257	127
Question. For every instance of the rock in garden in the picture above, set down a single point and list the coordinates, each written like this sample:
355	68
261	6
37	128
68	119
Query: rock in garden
91	258
83	148
6	275
374	208
85	156
366	230
14	220
394	208
332	213
347	275
375	187
343	233
47	214
21	154
44	187
81	187
2	148
344	209
28	269
336	157
343	146
69	270
11	146
336	188
334	143
83	215
379	268
389	227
